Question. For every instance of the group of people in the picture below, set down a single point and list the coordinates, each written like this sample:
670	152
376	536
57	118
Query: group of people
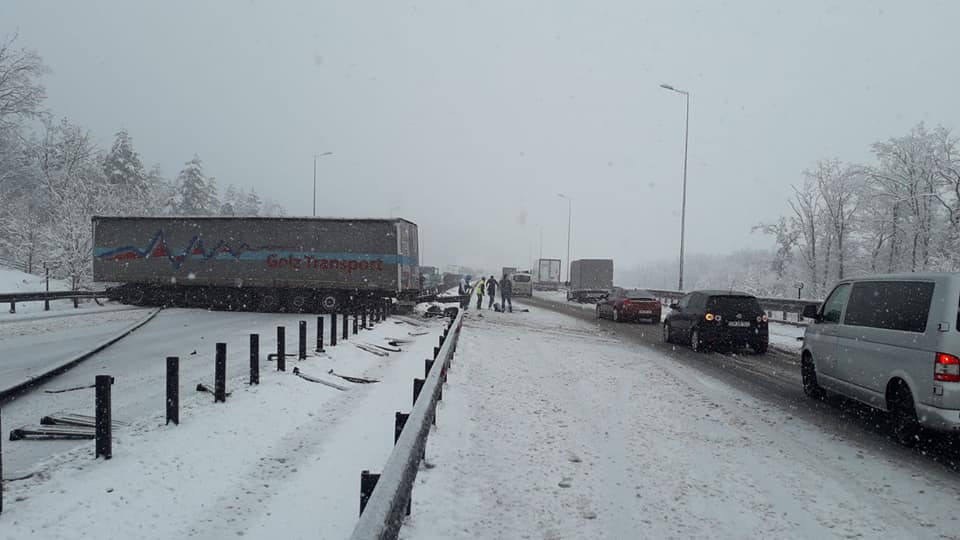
488	287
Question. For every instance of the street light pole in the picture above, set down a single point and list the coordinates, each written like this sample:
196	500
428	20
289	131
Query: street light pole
686	141
315	156
569	215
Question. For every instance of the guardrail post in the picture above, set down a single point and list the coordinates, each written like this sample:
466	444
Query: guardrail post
254	358
319	334
356	323
13	306
368	482
281	349
103	423
220	374
399	421
303	340
333	329
1	462
417	387
76	303
346	326
173	390
436	352
46	303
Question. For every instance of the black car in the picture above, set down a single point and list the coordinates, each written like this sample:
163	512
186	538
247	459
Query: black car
709	318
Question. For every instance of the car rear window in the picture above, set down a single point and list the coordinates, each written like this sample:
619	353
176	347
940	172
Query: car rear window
520	279
731	305
639	295
890	305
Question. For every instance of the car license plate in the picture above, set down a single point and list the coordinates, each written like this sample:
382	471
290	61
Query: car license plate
739	324
644	312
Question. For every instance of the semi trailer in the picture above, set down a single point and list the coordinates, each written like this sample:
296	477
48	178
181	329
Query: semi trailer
256	263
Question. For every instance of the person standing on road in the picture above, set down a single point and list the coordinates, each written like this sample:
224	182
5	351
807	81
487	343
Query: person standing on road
481	285
491	291
506	291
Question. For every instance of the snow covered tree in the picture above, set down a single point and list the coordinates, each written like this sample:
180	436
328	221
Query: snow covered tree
231	202
123	168
196	193
251	204
21	95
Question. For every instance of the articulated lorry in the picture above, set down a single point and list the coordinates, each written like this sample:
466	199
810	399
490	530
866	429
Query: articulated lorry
257	263
590	279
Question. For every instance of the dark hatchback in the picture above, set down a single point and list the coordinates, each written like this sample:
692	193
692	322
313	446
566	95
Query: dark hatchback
717	318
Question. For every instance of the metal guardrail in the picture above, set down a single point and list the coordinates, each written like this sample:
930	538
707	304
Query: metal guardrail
46	296
783	305
388	503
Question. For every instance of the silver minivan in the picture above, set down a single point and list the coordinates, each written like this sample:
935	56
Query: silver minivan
892	342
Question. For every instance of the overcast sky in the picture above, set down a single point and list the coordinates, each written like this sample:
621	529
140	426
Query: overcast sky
469	117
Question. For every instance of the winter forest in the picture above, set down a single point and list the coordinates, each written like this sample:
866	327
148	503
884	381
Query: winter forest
54	176
898	213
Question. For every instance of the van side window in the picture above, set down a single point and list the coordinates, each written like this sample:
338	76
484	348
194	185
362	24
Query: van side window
890	305
833	307
684	301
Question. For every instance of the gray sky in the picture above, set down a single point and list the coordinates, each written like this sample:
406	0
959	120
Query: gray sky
469	117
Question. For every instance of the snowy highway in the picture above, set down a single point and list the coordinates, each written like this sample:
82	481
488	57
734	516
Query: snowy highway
556	425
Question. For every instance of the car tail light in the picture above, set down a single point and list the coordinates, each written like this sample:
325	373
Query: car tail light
947	368
709	316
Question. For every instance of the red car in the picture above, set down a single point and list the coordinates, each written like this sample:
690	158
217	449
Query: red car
629	305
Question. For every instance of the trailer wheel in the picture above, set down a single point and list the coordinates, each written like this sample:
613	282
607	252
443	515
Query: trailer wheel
329	302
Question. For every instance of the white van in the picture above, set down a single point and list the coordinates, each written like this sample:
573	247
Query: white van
892	342
522	284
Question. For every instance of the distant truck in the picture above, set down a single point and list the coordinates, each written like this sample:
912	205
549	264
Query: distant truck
546	275
507	270
590	279
257	263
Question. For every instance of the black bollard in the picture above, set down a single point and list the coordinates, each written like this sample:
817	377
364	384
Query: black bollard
254	358
319	334
173	390
103	424
303	341
368	482
220	374
281	349
436	352
356	324
333	329
363	317
427	366
346	326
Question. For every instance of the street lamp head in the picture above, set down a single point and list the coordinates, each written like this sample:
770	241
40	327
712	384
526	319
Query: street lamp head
562	195
326	154
667	86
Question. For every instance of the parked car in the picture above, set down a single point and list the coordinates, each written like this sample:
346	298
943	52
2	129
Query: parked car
629	305
522	284
893	343
709	318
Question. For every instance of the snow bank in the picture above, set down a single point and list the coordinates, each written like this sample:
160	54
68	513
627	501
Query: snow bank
15	281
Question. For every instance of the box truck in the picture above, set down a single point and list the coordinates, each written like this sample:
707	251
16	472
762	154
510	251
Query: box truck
590	279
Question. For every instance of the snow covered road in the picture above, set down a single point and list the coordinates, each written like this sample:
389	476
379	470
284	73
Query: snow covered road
557	427
278	460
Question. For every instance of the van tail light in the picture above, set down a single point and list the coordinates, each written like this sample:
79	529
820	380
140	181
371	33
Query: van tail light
762	318
947	368
711	317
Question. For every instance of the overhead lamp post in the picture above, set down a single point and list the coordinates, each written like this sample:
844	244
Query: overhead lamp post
683	207
569	215
315	156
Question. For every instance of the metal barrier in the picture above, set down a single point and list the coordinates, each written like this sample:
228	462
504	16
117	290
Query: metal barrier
783	305
46	296
388	503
